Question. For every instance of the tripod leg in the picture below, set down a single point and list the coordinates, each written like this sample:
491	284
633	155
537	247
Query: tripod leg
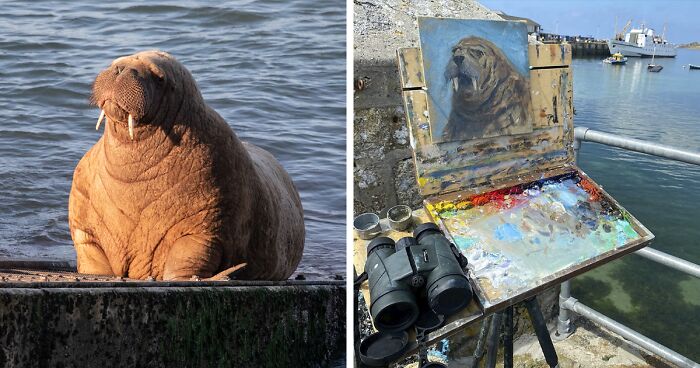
479	351
508	338
492	342
550	355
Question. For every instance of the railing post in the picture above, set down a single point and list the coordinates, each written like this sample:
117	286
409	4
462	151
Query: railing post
579	136
564	320
577	146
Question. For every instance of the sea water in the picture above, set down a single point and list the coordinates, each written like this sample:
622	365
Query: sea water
275	70
664	108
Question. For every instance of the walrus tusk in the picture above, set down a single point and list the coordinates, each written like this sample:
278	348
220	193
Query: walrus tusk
99	120
131	127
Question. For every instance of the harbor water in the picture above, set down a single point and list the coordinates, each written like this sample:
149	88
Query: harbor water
663	107
275	70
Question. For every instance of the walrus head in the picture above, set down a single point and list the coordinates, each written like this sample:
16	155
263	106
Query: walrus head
133	89
488	92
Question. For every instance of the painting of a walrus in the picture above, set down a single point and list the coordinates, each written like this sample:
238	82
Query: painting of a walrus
169	192
477	78
489	97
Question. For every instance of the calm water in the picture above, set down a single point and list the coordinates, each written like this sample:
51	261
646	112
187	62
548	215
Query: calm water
659	107
275	70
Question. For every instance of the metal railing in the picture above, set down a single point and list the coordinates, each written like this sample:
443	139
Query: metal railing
568	303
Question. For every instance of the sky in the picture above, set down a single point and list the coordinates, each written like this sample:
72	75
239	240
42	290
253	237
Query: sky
597	17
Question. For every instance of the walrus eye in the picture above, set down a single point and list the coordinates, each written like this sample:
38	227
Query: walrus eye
478	54
157	73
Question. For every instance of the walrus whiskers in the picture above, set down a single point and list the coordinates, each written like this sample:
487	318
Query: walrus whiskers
99	120
131	127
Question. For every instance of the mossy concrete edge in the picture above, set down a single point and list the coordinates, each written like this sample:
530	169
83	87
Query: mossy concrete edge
261	326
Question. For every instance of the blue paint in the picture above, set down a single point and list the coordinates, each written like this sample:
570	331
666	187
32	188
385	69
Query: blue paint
463	242
567	198
441	350
508	232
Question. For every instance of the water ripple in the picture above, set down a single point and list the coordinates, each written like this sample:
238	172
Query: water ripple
275	70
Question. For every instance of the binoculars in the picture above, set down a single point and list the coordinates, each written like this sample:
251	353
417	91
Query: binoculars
425	266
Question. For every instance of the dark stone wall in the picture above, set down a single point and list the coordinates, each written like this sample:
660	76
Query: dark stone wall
384	173
261	326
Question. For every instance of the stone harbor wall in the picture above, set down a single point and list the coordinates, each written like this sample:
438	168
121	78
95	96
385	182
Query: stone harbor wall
287	324
384	174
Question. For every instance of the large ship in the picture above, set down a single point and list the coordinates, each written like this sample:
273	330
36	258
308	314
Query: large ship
641	42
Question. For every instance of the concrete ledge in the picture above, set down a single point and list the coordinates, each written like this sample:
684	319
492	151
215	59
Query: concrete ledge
299	325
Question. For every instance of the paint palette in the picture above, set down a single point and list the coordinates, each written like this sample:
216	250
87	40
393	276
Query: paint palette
527	237
510	196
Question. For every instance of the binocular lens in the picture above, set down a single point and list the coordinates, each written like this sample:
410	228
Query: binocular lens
396	317
449	295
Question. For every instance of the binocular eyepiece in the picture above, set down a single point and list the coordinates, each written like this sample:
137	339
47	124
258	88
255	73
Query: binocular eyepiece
425	266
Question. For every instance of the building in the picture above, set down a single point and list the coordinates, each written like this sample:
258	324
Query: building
532	26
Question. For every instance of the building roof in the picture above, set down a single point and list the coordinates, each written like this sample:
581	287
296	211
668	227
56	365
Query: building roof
529	21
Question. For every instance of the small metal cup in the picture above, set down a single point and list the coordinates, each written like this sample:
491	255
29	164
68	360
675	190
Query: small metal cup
400	217
367	226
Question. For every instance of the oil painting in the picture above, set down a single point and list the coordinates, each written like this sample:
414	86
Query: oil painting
477	78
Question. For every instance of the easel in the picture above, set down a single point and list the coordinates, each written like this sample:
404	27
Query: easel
489	333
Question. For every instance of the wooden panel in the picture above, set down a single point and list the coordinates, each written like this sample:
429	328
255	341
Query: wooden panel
549	55
411	67
551	97
416	105
496	162
488	163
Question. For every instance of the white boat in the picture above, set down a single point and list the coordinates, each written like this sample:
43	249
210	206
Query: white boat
641	43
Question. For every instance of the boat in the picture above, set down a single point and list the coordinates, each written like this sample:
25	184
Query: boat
641	42
654	67
616	59
691	66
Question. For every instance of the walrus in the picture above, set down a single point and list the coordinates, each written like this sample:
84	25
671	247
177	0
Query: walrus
489	96
169	192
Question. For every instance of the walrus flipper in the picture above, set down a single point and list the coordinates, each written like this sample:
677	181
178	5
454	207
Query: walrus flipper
192	255
91	258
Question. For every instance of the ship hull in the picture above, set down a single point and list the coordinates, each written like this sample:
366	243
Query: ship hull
628	49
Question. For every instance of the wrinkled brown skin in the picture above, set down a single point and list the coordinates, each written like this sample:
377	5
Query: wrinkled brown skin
185	197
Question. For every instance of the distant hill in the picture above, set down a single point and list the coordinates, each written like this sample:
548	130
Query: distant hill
692	45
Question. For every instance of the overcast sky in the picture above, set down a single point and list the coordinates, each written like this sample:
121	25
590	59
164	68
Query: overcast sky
597	17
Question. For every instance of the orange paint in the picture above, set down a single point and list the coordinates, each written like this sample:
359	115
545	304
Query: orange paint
480	200
593	193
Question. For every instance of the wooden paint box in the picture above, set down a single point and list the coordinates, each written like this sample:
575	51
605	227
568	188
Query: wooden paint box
516	204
